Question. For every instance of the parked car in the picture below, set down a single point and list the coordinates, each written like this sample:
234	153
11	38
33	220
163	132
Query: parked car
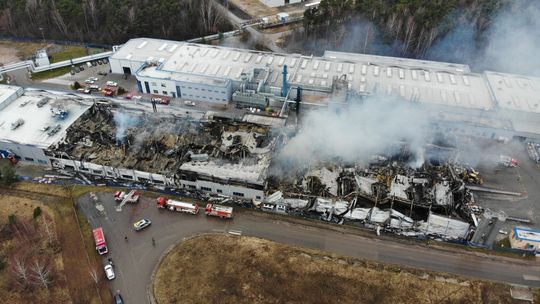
72	72
94	87
189	103
140	225
89	64
109	272
118	299
80	90
89	81
94	63
102	73
136	97
161	100
93	78
99	62
81	67
87	91
112	84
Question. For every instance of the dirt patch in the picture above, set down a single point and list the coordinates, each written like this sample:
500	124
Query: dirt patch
8	55
228	269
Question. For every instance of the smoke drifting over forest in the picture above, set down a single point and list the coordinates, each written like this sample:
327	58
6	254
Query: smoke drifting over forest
510	44
493	35
357	133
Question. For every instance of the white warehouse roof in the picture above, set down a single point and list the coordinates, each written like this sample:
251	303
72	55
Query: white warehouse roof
38	121
515	92
428	82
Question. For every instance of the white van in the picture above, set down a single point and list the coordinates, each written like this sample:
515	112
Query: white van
267	207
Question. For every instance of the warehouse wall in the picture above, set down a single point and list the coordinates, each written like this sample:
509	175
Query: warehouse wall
117	65
26	153
188	90
224	189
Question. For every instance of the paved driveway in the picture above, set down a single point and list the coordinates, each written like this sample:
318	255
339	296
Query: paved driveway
136	258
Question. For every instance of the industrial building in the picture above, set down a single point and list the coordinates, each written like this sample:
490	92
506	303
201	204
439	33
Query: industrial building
31	121
485	104
525	239
276	3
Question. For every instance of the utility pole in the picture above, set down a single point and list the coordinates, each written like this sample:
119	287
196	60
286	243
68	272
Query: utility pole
42	35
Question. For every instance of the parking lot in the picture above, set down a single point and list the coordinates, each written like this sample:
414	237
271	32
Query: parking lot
129	84
523	179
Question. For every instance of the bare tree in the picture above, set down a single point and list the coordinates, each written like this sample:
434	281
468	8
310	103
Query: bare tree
20	271
41	273
49	229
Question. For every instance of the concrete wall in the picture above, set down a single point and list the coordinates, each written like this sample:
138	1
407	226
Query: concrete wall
26	153
224	189
111	172
145	177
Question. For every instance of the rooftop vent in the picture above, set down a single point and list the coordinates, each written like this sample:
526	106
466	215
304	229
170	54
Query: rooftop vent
19	122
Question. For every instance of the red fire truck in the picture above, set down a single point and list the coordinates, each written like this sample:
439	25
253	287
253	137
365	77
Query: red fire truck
99	239
219	211
163	202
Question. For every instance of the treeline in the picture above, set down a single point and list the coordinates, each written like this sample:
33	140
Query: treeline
110	21
409	26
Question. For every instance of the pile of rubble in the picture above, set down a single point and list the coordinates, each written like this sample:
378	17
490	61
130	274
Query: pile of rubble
156	143
387	194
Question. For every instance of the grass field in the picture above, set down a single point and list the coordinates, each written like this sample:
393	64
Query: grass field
56	201
229	269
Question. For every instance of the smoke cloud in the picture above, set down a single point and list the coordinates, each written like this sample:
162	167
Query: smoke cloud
510	44
513	42
124	121
357	133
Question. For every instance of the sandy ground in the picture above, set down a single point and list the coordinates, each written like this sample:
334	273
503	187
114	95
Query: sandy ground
229	269
8	54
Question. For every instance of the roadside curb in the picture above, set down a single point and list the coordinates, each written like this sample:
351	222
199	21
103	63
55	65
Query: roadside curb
367	233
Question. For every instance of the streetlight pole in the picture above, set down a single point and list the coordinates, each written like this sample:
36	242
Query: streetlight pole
42	35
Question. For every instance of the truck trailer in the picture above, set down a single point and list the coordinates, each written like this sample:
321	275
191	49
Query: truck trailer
99	239
164	203
219	211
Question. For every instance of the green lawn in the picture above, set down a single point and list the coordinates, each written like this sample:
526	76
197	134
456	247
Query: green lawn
51	73
70	52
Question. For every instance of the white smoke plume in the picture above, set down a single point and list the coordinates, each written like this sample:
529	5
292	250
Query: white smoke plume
513	42
356	133
123	122
509	44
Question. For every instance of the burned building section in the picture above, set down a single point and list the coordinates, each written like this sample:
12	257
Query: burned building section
388	194
218	157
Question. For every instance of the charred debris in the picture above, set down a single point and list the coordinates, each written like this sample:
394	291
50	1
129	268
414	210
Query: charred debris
386	194
155	143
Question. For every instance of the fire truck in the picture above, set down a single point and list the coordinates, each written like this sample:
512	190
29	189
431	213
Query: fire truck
219	211
99	239
163	202
123	197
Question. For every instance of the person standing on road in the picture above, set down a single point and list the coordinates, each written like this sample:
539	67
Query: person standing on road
125	238
153	242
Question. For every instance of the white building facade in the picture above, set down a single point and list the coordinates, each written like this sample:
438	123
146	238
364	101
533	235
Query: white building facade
276	3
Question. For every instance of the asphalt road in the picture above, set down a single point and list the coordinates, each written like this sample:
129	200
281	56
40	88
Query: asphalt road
135	259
